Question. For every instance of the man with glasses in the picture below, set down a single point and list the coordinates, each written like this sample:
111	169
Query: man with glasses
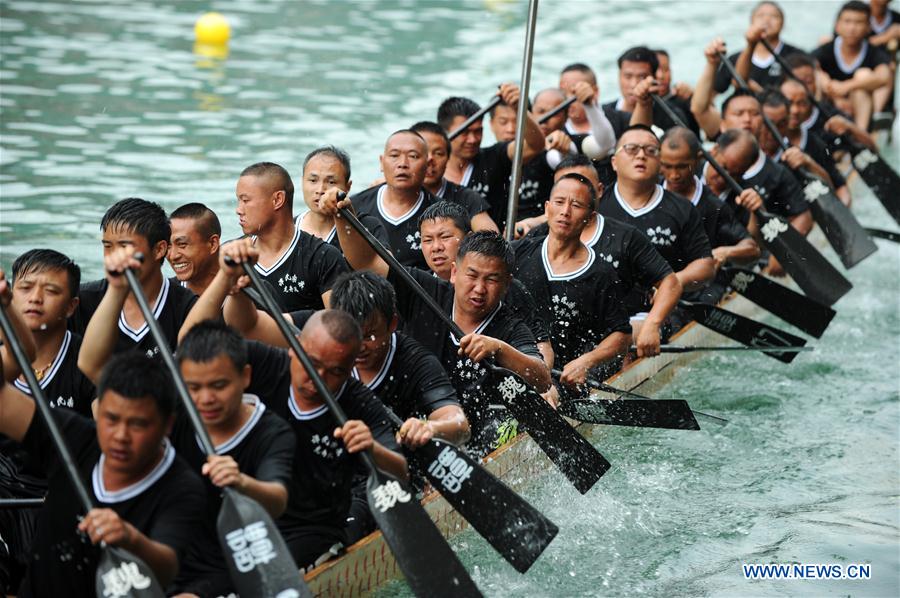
672	225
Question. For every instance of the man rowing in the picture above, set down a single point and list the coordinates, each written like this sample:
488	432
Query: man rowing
635	65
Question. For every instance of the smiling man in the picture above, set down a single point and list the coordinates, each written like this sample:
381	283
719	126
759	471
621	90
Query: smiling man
194	246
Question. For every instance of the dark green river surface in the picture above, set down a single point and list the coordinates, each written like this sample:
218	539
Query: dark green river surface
102	100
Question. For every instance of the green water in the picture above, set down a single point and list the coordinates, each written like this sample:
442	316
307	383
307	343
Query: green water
102	100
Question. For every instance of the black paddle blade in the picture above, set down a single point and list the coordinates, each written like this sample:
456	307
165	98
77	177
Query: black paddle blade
844	232
259	561
515	529
806	314
879	176
888	235
744	330
670	414
570	451
121	574
429	565
809	268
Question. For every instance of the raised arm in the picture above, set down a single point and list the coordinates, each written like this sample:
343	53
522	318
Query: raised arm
602	130
16	409
534	138
643	107
742	66
702	107
358	253
9	367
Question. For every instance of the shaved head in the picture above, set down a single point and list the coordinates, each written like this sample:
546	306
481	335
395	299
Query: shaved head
338	325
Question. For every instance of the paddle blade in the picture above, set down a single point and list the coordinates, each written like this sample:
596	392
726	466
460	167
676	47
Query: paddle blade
670	414
884	234
515	529
806	314
879	176
844	232
120	574
581	463
809	268
429	565
259	562
744	330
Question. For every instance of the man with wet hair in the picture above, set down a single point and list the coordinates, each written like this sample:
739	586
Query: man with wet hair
147	498
194	246
131	226
300	266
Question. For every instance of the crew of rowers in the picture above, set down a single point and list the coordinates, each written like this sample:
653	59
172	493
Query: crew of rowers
618	220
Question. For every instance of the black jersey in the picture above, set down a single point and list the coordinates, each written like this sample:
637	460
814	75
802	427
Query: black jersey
372	224
721	225
684	105
830	60
637	263
488	174
465	374
322	468
165	506
522	305
779	189
473	202
170	310
411	380
537	181
583	306
661	119
768	72
263	449
63	383
304	272
891	17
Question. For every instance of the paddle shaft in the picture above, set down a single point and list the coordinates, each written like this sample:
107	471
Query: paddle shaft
545	117
689	348
43	406
790	73
474	118
512	203
884	234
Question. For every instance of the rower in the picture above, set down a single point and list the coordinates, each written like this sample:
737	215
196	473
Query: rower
138	226
855	74
300	266
810	142
148	500
576	292
755	63
323	168
672	225
44	294
884	25
254	447
635	65
439	150
486	170
641	269
402	198
677	96
731	243
194	246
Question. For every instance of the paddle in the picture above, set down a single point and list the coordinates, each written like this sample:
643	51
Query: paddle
429	565
119	573
884	234
515	529
843	231
263	566
812	272
672	414
581	463
21	503
692	348
872	168
548	115
474	118
744	330
794	308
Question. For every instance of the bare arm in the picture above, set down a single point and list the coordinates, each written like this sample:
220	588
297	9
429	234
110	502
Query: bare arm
668	292
16	411
534	138
448	423
358	253
10	367
697	274
483	221
803	222
575	372
745	252
702	107
223	471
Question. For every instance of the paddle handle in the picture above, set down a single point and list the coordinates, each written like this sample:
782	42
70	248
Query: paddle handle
169	359
385	254
547	116
43	406
474	118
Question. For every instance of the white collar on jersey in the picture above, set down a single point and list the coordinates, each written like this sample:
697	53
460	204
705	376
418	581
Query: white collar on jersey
756	167
698	190
327	238
54	367
258	409
651	205
765	63
551	275
137	335
283	257
379	201
382	372
313	414
849	69
620	104
809	122
467	175
601	222
442	190
484	323
138	487
883	25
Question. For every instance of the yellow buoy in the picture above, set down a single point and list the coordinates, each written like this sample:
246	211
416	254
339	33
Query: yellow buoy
212	28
